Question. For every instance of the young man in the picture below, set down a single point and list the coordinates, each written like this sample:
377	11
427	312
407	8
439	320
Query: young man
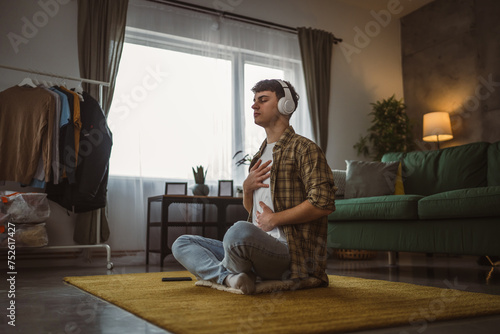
288	193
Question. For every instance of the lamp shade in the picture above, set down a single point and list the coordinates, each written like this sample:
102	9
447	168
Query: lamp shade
437	127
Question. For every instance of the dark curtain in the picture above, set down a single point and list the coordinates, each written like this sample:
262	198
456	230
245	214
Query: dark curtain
316	52
101	32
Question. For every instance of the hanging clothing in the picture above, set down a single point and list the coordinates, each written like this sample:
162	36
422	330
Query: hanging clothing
67	164
67	144
55	138
76	120
65	111
27	118
89	190
74	165
50	138
95	147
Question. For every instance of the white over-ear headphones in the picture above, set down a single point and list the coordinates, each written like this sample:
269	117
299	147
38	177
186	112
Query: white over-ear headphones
286	105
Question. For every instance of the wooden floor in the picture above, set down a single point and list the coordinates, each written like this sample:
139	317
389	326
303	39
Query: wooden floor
44	304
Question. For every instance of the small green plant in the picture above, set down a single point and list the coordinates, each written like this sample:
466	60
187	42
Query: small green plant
199	175
246	160
390	130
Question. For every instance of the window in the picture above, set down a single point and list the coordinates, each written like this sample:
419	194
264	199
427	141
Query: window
171	109
180	102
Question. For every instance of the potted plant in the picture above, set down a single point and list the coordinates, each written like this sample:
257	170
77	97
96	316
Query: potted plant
390	130
246	160
200	188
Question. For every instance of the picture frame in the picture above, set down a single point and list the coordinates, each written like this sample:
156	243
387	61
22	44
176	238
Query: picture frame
225	188
175	188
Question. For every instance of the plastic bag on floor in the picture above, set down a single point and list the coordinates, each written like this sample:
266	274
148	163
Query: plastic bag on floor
4	218
26	235
25	207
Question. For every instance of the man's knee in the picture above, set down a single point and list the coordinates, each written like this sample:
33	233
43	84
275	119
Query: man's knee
239	232
179	244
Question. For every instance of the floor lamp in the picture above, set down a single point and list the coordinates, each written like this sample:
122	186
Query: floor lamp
437	127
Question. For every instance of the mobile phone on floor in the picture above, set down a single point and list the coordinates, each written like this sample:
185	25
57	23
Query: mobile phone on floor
173	279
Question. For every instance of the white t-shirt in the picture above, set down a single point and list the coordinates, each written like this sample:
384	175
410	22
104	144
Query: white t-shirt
264	195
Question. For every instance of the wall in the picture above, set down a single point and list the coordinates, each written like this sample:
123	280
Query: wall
38	35
366	67
450	52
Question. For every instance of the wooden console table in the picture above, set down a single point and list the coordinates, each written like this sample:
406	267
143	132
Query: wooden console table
166	200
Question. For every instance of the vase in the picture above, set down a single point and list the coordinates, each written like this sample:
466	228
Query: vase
200	189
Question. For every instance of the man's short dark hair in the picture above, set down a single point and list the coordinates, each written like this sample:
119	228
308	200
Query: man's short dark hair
273	85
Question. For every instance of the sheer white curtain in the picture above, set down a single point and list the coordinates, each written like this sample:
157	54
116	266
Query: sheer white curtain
183	99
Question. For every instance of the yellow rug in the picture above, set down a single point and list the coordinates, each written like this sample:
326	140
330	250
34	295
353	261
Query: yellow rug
348	304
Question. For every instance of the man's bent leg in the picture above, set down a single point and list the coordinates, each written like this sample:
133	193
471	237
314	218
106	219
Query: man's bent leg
249	248
201	256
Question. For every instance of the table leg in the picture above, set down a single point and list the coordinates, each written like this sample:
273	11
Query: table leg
221	220
203	220
147	231
164	251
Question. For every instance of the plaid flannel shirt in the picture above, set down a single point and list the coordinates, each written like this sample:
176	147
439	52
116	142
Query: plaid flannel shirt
300	172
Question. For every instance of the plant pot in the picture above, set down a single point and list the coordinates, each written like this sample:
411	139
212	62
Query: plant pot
200	189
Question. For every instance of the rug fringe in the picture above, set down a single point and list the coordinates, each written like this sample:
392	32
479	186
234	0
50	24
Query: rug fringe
221	287
266	286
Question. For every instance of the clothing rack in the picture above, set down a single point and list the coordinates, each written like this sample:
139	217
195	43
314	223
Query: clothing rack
90	81
101	84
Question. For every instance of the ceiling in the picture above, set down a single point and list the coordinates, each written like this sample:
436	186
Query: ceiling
407	5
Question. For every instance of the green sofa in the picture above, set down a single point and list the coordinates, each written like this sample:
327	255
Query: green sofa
451	204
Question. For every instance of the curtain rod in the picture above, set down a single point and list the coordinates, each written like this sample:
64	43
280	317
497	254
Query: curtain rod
236	17
56	75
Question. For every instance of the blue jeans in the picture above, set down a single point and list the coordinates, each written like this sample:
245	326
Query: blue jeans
245	248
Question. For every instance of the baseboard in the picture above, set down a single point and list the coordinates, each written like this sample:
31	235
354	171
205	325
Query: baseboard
41	253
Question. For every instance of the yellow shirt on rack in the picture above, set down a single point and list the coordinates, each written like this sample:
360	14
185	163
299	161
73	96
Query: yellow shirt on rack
77	122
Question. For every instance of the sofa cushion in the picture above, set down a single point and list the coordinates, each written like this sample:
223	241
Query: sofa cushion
494	164
370	178
463	203
431	172
339	181
392	207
